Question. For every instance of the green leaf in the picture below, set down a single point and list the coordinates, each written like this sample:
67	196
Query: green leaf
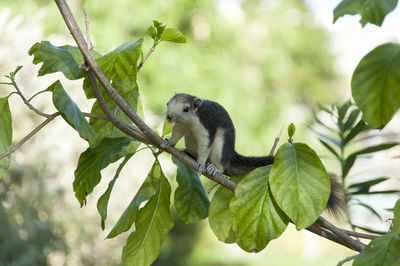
299	183
159	26
382	250
190	199
360	126
105	128
329	147
102	203
219	215
14	73
369	208
71	112
120	68
65	59
371	11
173	35
5	133
342	111
376	85
352	157
152	226
93	160
167	128
256	217
152	32
364	187
291	131
396	222
146	190
351	119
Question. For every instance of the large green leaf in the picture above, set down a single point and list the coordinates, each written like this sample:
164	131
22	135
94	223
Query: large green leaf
102	203
396	222
299	183
383	250
65	59
219	214
71	112
93	160
5	133
256	217
152	225
146	190
372	11
105	128
120	68
376	84
190	199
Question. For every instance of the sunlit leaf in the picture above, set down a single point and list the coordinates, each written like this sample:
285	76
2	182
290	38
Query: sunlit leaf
173	35
376	85
102	203
342	111
65	59
167	128
190	199
219	215
146	190
152	32
93	160
371	11
152	225
299	183
382	250
5	133
256	218
71	112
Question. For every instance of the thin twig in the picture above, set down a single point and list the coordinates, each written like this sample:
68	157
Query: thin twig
30	135
88	41
27	102
147	56
275	143
360	235
340	263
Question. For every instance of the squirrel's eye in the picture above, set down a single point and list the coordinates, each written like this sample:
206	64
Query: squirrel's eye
186	109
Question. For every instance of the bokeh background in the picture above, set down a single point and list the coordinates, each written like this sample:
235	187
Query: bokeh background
269	62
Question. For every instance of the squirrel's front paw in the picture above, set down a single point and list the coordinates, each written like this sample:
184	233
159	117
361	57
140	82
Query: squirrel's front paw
200	168
212	169
165	144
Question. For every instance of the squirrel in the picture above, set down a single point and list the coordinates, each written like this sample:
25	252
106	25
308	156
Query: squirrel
210	139
209	136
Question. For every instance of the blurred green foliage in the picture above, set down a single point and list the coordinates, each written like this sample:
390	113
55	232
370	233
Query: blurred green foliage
254	57
29	231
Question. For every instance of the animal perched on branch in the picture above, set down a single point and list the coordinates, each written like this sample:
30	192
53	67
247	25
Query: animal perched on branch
209	136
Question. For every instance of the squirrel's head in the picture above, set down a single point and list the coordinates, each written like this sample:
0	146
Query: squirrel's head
182	108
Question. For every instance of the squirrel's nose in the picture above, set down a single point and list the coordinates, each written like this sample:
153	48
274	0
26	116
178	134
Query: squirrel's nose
169	116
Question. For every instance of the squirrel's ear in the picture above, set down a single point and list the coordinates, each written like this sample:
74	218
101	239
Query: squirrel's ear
196	103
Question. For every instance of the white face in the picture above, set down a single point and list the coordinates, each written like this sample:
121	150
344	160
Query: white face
180	110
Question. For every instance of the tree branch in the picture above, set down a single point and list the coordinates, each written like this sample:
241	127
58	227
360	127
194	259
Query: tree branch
147	135
30	135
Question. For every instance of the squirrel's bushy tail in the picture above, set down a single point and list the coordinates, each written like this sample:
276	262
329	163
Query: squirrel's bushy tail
336	202
241	165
